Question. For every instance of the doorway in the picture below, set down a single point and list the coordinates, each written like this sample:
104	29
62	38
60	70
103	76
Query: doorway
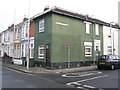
48	64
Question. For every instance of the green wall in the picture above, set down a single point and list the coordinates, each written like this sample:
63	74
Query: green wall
75	33
59	35
42	38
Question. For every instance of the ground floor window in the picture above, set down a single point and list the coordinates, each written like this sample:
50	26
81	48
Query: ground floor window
22	50
31	50
31	47
88	51
109	49
17	51
41	52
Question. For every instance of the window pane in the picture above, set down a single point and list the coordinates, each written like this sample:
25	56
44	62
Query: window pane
41	25
88	51
97	29
87	28
41	52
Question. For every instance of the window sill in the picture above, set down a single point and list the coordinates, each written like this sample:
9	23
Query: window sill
88	55
41	57
41	31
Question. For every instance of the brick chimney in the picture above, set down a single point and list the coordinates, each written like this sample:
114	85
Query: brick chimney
25	18
46	8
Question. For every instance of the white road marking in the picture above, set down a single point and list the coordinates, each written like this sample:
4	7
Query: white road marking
92	78
81	74
80	87
88	86
86	80
76	83
72	84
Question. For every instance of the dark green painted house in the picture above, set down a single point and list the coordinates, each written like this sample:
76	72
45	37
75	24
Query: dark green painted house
65	39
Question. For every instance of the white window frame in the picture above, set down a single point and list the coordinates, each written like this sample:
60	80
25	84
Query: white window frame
8	50
31	47
109	49
41	29
88	52
97	43
26	31
97	29
26	50
41	56
22	34
87	27
23	50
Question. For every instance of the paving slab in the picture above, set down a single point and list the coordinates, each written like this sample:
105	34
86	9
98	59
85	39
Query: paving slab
38	70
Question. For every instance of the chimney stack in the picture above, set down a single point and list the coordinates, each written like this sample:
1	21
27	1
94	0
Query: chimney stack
46	8
25	18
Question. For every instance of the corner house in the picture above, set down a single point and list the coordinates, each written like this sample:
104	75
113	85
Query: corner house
65	39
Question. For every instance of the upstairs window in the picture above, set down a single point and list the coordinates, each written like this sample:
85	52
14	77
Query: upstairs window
87	27
26	31
22	34
41	25
97	29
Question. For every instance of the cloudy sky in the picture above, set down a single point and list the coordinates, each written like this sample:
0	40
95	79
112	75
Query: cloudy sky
106	10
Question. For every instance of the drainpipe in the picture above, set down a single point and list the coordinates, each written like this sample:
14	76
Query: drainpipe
93	43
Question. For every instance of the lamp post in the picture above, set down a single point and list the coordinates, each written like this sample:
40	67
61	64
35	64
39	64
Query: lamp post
28	36
13	37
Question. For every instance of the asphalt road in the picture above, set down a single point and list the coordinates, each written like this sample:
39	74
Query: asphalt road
16	79
103	79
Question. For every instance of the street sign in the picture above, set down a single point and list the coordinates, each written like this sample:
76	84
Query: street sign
68	45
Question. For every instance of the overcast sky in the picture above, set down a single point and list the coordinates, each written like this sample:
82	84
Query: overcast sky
106	10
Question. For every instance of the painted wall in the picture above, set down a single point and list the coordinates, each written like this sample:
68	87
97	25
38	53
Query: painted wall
59	30
42	38
110	41
119	29
66	29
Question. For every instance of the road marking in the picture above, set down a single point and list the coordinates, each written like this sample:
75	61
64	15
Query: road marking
81	88
92	78
81	74
88	86
86	80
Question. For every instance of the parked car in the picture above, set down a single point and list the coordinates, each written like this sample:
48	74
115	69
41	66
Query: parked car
108	61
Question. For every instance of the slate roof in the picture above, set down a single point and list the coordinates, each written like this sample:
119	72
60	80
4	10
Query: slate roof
65	12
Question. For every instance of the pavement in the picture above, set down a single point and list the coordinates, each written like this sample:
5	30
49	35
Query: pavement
38	70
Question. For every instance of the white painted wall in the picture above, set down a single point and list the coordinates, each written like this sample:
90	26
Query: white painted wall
108	41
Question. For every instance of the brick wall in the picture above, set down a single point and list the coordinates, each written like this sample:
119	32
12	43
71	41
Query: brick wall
31	34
